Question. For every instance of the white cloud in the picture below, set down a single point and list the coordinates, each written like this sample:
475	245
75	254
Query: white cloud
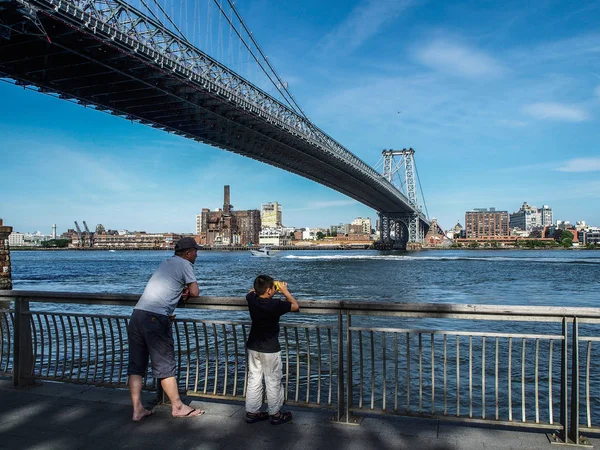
555	111
364	22
581	165
458	59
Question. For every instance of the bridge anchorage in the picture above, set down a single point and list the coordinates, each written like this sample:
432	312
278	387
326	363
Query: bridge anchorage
406	229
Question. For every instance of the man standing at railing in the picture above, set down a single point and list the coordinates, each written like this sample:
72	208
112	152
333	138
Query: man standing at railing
150	332
264	351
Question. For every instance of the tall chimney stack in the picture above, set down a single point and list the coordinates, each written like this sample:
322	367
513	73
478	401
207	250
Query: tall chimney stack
226	201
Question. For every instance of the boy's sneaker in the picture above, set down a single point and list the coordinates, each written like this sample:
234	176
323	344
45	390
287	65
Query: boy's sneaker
256	417
281	417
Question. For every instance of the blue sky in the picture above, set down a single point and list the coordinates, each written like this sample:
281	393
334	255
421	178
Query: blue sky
500	100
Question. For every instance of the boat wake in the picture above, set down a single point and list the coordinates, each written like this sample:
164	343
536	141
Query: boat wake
592	260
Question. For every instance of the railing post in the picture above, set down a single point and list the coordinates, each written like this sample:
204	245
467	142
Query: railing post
574	428
23	348
349	365
562	436
340	367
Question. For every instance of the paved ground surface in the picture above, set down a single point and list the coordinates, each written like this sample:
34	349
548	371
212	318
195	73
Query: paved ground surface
66	416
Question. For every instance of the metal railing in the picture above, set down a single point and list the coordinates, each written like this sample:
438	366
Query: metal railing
456	362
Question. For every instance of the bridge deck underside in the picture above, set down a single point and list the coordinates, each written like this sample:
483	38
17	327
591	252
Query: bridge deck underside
77	64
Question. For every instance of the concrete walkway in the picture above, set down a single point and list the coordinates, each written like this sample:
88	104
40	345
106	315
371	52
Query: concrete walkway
66	416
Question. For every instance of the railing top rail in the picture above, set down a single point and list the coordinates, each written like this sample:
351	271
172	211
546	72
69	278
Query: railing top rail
439	310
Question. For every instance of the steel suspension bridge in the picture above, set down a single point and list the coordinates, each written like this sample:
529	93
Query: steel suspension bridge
131	59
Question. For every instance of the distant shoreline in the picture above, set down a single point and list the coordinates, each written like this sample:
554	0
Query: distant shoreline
293	248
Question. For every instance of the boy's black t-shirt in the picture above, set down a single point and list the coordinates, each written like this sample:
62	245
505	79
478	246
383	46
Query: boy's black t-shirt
265	314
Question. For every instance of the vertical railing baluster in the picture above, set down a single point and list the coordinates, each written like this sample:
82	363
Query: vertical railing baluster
226	347
89	349
287	361
188	352
361	370
470	377
550	386
372	346
445	375
457	376
236	364
42	343
104	350
483	373
207	352
407	372
383	372
510	416
122	363
523	346
63	330
178	349
345	405
587	384
297	396
396	380
537	392
564	400
56	341
319	359
216	347
308	365
420	343
432	374
330	347
244	334
497	374
34	348
574	428
198	357
112	349
80	346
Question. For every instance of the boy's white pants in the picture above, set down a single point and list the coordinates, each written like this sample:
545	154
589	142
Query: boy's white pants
267	365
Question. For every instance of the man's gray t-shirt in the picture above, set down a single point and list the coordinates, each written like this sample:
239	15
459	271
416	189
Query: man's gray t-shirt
165	287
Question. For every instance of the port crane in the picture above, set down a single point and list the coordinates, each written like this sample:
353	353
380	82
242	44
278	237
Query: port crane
89	235
79	234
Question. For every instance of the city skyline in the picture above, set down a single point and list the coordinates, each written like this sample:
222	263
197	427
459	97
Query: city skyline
500	103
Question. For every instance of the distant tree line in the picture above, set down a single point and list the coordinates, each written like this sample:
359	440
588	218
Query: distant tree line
56	243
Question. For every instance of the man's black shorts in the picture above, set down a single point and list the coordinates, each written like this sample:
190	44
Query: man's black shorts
151	335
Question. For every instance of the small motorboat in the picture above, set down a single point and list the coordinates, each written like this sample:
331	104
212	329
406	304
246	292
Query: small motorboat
264	252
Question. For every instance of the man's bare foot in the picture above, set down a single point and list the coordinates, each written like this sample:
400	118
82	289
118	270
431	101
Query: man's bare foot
187	411
137	417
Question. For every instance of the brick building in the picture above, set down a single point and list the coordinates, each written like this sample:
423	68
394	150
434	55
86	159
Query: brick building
483	223
228	227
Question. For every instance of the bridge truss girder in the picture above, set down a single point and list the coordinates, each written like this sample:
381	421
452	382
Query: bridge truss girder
106	54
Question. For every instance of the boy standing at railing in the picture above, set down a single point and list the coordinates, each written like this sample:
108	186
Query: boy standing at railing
264	351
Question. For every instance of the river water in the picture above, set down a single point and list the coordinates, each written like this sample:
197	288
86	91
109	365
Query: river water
501	277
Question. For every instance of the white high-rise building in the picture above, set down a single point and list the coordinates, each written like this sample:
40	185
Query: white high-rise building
526	218
16	239
546	212
270	215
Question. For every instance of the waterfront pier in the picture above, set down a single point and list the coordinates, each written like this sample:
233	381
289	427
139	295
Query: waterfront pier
66	416
409	371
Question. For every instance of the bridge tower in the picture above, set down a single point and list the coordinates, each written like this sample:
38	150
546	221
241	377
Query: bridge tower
402	229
